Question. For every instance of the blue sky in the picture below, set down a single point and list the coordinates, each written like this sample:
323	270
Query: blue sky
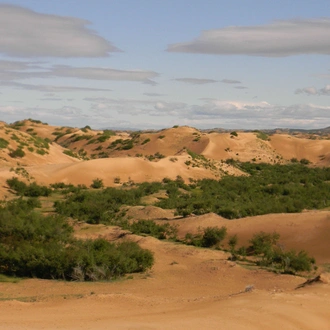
239	64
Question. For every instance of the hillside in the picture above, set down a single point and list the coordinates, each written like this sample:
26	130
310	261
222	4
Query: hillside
188	287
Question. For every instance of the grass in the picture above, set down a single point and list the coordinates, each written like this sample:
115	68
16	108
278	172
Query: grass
9	279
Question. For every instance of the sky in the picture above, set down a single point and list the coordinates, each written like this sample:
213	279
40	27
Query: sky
152	64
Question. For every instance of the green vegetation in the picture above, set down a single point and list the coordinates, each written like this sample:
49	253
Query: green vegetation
70	153
210	237
3	143
18	153
149	227
41	152
262	136
267	189
265	246
81	137
105	136
33	245
234	133
30	190
156	156
97	183
145	141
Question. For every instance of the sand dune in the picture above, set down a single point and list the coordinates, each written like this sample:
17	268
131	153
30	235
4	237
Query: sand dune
187	288
128	168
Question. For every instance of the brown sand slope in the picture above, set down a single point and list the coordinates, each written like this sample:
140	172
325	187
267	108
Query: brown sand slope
126	169
244	147
188	288
309	231
316	151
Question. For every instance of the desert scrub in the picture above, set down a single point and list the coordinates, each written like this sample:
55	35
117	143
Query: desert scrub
262	136
3	143
70	153
145	141
18	153
33	245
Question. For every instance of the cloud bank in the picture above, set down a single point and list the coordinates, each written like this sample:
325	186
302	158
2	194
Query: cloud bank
277	39
314	91
196	81
26	33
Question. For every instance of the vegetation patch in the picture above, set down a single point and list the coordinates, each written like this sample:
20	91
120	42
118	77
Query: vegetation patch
3	143
33	245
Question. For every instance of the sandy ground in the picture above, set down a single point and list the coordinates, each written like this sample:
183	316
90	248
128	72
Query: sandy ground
188	288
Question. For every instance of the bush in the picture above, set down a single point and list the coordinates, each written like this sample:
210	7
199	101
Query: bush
213	236
304	161
149	227
97	183
31	190
33	245
18	153
3	143
265	245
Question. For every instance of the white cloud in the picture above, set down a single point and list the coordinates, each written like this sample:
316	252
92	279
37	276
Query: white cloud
153	94
103	106
196	81
253	115
325	90
98	73
314	91
26	33
52	88
15	70
279	38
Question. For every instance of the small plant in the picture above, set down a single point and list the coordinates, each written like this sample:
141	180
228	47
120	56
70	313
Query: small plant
18	153
262	136
304	161
116	180
213	236
145	141
233	133
161	136
97	183
3	143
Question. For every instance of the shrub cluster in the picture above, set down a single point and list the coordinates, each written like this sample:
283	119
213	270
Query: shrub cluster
33	245
31	190
267	189
265	245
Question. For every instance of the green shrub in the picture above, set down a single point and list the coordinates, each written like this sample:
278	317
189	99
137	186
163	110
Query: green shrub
149	227
41	152
97	183
31	190
18	153
33	245
304	161
3	143
262	136
145	141
213	236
